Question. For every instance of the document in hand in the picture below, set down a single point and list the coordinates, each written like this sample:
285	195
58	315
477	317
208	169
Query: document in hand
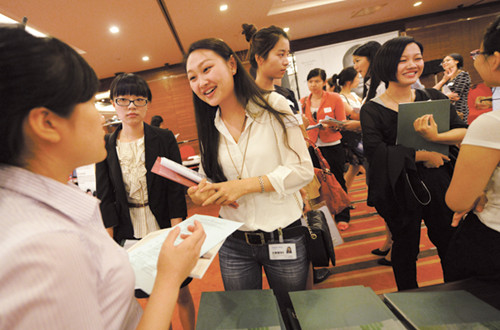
408	112
176	172
143	256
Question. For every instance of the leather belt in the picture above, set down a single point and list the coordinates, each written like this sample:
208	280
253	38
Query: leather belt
259	237
137	205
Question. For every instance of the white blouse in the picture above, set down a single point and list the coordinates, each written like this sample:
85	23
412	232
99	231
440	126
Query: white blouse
288	170
132	157
485	132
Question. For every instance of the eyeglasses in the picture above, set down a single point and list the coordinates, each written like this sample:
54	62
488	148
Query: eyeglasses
123	102
475	53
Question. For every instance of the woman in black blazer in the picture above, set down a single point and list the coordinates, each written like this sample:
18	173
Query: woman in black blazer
134	201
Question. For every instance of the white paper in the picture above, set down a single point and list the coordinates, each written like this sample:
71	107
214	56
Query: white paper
143	256
182	170
334	231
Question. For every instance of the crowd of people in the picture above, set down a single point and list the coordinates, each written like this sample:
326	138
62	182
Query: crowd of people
51	126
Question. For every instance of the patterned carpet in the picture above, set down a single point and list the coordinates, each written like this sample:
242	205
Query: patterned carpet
355	264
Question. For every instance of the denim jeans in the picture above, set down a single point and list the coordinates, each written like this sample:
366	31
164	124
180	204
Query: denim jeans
241	267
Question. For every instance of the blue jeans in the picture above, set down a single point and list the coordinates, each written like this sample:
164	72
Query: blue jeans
241	267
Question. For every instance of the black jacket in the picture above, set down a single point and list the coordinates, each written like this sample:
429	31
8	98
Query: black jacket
166	198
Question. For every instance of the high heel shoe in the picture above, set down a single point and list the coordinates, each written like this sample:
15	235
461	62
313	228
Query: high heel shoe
381	253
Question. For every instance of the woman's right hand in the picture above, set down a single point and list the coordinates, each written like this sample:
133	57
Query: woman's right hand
176	262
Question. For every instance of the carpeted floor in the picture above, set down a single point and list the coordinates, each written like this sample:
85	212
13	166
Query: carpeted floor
355	264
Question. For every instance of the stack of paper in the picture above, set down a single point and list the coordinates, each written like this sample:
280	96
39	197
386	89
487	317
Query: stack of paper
246	309
443	310
144	255
353	307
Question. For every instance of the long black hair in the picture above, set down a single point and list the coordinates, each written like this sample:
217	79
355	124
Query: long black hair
245	89
369	50
37	72
491	39
261	41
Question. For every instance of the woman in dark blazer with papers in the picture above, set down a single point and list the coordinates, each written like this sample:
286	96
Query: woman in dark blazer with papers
134	201
402	179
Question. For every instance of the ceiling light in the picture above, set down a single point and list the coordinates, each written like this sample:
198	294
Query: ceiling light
286	29
418	3
281	7
114	29
223	7
145	58
8	20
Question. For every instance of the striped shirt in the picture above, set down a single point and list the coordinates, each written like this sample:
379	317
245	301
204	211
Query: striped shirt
60	269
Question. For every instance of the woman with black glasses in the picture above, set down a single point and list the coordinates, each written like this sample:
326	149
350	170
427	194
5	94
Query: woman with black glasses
134	201
475	248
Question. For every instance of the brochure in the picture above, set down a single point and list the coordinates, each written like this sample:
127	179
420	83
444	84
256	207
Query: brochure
143	255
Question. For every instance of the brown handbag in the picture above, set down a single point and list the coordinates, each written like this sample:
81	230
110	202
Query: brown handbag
331	191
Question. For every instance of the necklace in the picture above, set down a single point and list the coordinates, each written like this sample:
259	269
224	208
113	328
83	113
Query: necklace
393	100
240	173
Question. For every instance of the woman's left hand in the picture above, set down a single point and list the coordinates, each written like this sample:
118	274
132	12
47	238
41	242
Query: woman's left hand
426	127
224	193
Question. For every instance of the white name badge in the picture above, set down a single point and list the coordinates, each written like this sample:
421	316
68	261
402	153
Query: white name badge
282	251
328	110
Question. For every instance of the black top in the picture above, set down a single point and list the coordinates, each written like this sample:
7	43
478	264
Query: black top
166	198
389	162
290	96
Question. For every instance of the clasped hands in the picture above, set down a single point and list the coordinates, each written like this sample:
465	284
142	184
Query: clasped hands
222	193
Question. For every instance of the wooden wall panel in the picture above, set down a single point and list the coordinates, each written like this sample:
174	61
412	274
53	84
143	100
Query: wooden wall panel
458	36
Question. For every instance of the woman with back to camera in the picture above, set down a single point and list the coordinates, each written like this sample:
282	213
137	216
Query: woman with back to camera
317	106
399	63
135	201
253	149
455	83
268	56
344	82
475	248
67	272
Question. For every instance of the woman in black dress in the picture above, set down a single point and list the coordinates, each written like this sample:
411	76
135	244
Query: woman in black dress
399	63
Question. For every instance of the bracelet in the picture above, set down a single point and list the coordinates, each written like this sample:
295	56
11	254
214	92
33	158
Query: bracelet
261	182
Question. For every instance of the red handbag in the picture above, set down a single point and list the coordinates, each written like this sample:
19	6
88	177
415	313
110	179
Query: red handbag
331	191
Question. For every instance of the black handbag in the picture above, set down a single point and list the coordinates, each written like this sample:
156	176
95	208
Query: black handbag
320	249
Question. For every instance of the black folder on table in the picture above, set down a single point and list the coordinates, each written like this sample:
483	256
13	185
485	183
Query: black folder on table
443	310
408	112
344	307
245	309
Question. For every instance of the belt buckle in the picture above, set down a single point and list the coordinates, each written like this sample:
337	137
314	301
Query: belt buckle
259	235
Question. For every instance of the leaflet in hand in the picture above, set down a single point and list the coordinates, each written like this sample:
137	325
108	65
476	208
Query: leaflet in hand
176	172
333	120
143	256
327	120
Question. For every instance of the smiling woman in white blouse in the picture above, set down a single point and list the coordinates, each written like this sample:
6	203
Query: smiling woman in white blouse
252	148
60	269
